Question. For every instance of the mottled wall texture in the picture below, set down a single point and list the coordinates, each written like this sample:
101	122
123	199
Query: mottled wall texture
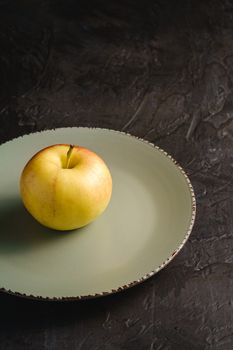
161	70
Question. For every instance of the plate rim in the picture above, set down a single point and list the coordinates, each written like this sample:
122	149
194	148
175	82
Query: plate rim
145	276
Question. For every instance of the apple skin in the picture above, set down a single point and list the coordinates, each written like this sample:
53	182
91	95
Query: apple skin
65	198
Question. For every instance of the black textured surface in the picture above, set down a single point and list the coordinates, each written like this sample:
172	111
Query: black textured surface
161	70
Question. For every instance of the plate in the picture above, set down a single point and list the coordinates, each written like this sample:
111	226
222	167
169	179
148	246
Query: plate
147	222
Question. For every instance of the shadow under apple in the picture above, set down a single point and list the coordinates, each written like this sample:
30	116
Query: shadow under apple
19	231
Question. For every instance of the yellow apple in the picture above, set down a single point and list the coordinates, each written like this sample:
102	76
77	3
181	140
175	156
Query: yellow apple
65	187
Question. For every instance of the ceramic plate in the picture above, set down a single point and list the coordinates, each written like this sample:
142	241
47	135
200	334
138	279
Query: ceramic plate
149	218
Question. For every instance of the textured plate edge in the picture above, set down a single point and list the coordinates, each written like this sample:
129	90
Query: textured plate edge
144	277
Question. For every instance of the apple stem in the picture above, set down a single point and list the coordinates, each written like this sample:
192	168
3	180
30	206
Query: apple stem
68	155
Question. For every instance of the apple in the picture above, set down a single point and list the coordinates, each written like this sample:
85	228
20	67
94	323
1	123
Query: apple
65	187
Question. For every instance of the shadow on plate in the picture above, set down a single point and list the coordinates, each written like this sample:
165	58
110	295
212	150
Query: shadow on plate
20	232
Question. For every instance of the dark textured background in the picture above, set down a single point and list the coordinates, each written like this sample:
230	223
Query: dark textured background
161	70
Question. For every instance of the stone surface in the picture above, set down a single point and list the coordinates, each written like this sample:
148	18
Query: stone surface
161	70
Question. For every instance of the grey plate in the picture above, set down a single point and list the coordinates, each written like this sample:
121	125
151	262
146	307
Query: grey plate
149	218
